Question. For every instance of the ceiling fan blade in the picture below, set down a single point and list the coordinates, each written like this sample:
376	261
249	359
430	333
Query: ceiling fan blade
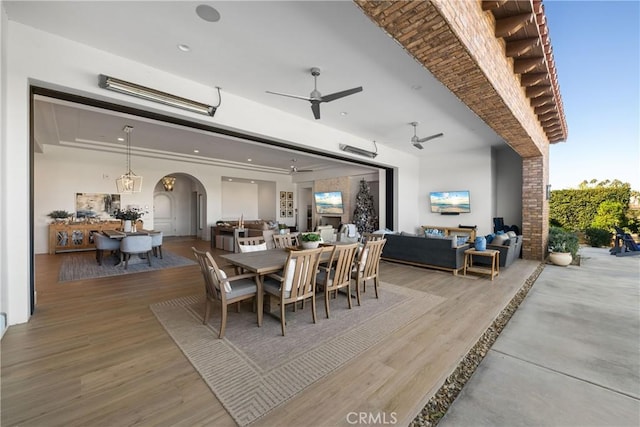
315	107
418	145
429	138
306	98
338	95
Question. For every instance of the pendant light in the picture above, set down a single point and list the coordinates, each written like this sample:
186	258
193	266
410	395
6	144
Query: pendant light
168	182
129	182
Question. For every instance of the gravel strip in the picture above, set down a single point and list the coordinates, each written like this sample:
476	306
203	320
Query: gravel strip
438	405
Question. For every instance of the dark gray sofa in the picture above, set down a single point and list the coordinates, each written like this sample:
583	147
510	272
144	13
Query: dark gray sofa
508	253
424	252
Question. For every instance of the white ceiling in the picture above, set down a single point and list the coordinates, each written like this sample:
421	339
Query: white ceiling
259	46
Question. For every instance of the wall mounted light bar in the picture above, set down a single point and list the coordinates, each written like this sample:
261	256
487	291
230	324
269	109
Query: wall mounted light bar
359	151
117	85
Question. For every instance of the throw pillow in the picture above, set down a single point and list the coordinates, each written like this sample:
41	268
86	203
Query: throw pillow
511	234
291	269
500	239
253	248
490	237
500	232
225	283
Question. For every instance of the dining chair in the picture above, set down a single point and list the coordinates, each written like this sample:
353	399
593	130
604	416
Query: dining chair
251	244
367	266
284	241
336	274
267	235
156	243
371	236
104	243
297	283
226	290
135	245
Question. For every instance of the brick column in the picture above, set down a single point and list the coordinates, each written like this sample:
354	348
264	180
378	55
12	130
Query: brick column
535	206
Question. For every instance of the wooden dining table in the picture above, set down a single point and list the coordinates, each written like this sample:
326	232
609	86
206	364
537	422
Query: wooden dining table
266	262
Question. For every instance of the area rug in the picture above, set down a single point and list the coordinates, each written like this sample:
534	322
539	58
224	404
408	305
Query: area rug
253	370
84	266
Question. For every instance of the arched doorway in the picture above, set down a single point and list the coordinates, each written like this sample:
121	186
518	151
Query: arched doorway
182	210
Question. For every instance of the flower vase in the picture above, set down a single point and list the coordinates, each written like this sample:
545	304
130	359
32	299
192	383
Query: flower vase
127	227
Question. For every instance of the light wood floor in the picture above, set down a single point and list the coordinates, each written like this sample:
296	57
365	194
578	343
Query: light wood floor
94	354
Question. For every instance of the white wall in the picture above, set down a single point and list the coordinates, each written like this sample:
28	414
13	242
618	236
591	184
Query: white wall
4	274
33	56
266	202
239	199
470	170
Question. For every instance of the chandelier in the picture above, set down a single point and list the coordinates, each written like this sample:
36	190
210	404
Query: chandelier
168	182
129	182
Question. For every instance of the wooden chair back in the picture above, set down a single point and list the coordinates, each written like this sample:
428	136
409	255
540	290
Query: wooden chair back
216	281
208	268
372	251
284	241
371	236
368	265
338	272
300	272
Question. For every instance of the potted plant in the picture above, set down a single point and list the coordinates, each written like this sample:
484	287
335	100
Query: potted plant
563	246
128	217
59	215
310	240
283	228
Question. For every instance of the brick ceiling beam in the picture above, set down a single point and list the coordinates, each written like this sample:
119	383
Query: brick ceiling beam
531	79
521	47
541	100
512	24
536	91
493	4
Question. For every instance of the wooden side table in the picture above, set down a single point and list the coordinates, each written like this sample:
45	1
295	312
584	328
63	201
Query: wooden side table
493	271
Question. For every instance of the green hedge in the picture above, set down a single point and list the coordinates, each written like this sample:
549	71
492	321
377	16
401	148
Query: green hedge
576	209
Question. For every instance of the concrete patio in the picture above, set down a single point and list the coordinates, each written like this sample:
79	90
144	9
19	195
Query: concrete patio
570	356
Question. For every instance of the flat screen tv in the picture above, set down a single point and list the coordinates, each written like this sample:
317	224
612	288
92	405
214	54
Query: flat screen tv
450	202
329	202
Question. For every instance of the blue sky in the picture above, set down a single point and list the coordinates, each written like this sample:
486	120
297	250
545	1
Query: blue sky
596	46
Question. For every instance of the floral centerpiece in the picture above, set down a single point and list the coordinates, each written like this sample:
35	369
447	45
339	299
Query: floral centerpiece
129	218
128	214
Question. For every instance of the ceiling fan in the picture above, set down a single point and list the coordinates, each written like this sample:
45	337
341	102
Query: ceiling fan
316	97
294	168
417	142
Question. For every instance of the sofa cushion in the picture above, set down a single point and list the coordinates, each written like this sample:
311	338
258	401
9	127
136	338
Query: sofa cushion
500	239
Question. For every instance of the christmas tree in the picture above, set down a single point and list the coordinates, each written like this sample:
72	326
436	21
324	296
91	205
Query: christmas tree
364	215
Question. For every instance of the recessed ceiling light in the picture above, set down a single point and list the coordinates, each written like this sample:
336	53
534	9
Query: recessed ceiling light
120	139
253	182
196	151
184	47
230	179
249	160
343	113
208	13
